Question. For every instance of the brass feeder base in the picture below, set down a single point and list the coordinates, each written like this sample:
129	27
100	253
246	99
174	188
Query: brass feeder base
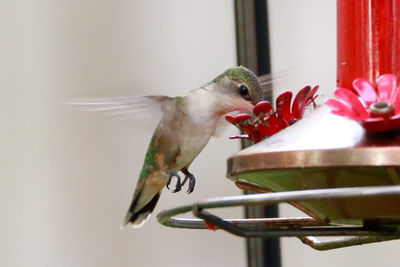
324	151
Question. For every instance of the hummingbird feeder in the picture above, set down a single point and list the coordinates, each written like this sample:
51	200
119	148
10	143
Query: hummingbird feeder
340	165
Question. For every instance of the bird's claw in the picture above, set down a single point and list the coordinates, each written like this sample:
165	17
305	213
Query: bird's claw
192	180
192	183
178	185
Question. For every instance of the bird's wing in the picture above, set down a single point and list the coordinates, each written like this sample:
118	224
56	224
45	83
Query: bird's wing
273	80
137	109
121	106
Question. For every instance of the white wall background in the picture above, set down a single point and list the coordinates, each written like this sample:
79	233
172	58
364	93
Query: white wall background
67	176
303	44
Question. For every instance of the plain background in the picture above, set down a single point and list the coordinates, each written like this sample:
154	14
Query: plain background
67	176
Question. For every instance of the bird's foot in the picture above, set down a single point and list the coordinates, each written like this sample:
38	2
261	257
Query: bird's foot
190	177
178	185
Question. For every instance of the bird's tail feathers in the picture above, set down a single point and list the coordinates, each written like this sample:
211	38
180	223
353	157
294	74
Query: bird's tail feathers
138	218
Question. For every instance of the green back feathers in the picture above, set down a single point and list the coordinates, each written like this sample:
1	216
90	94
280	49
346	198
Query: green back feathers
150	161
179	102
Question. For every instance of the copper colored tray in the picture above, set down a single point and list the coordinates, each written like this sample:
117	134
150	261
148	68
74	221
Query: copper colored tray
324	151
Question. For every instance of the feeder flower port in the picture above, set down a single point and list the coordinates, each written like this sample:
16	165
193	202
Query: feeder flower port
377	110
266	121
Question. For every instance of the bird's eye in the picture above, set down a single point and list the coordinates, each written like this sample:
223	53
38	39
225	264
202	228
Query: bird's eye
244	91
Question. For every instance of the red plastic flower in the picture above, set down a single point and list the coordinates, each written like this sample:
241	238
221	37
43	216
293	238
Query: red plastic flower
376	110
266	121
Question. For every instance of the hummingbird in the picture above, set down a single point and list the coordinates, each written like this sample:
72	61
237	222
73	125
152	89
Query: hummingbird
186	126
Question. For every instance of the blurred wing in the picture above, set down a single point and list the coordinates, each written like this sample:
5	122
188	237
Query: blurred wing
138	109
268	81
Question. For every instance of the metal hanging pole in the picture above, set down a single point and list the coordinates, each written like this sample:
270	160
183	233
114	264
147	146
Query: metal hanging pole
252	38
